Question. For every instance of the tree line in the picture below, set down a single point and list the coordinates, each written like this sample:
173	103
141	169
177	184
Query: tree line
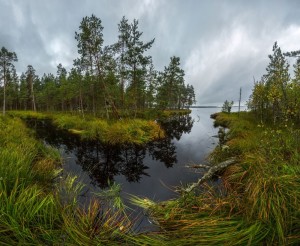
103	80
276	96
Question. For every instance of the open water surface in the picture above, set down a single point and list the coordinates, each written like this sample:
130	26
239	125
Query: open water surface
151	171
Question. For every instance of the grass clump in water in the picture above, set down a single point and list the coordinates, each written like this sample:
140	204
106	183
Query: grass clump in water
114	132
136	131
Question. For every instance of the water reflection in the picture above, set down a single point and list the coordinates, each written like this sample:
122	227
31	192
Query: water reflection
165	150
102	163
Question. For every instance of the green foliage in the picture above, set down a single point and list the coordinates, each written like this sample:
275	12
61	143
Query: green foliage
7	70
265	180
124	131
104	79
119	132
226	108
38	208
275	97
172	92
21	157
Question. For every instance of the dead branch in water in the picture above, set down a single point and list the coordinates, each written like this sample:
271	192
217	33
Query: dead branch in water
196	166
210	173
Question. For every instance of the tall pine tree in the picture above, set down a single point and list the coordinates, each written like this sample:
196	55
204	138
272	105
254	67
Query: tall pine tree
7	59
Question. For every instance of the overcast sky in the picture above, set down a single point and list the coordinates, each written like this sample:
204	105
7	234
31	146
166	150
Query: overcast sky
222	44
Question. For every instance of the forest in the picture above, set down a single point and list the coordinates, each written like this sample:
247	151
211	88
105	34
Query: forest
105	81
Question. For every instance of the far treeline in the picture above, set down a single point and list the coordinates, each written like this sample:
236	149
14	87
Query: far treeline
104	80
276	97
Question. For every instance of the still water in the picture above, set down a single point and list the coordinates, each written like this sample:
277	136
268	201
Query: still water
151	171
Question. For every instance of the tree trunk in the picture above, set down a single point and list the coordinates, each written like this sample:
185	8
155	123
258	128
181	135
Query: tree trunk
240	102
32	95
4	93
80	102
134	90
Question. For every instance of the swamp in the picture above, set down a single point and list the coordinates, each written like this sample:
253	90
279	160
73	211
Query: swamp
111	150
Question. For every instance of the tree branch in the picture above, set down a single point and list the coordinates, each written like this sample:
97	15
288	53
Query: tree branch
196	166
212	170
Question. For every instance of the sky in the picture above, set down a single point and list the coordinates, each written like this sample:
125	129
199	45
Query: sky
223	45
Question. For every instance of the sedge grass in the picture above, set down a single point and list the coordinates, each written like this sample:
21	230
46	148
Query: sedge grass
266	179
132	131
258	203
36	209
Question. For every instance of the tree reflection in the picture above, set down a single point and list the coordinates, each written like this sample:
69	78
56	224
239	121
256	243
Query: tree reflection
104	162
165	150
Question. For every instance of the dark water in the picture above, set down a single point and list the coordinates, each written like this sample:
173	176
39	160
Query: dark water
151	171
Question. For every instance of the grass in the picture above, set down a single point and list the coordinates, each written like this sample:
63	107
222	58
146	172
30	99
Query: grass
136	131
258	202
39	207
265	179
27	170
152	114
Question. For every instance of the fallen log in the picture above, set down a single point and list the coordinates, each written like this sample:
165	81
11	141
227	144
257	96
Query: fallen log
198	166
210	173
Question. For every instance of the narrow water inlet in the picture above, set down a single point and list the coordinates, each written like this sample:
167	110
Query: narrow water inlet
151	171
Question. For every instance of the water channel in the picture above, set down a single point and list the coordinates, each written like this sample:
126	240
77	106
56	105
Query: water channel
152	171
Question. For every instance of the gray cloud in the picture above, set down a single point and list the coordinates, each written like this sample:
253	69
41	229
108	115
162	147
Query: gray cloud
222	44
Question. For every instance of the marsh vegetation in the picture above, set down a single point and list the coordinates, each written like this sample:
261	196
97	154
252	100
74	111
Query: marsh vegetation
111	111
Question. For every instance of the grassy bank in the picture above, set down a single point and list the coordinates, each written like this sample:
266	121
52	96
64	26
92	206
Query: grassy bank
152	114
40	207
258	202
137	131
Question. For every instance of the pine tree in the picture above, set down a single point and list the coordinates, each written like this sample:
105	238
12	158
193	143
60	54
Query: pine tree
6	66
133	63
12	90
172	89
90	42
61	80
30	78
50	92
276	80
121	49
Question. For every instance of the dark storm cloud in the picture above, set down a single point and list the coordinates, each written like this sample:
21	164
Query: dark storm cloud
222	44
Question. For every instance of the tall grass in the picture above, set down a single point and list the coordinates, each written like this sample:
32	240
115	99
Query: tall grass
39	208
118	132
136	131
27	169
28	215
258	202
